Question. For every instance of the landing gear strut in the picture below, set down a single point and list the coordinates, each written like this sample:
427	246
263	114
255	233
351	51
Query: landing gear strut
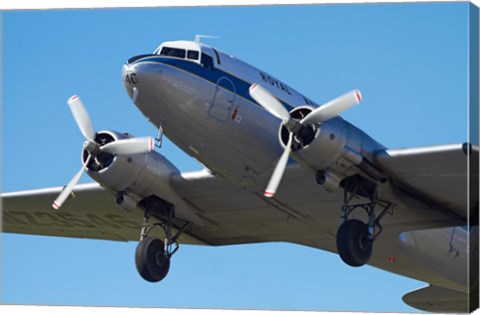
152	256
354	237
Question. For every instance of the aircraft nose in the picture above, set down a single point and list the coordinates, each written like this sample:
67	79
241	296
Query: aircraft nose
129	79
138	74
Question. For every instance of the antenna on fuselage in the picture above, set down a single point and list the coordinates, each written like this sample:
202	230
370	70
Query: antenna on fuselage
199	37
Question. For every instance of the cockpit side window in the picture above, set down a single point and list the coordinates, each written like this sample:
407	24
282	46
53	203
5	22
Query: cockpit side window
217	55
173	52
207	61
192	54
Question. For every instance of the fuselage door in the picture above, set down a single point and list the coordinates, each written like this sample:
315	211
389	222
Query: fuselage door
223	99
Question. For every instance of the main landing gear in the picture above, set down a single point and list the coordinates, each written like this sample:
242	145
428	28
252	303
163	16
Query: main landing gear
354	237
152	256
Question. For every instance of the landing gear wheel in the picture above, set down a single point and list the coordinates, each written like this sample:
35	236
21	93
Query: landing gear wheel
151	261
353	243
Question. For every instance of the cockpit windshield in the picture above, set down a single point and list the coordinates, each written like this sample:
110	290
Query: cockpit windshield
179	53
173	52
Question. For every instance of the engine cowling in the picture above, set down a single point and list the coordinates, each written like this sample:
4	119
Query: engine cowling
131	178
316	146
331	149
117	172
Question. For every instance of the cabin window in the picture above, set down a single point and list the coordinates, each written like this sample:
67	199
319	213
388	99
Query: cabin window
173	52
207	61
192	54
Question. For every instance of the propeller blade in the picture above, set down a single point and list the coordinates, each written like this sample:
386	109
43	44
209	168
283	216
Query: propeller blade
268	102
129	146
279	170
81	117
332	108
68	189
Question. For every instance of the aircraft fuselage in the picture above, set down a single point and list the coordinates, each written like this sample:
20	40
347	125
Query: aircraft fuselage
207	111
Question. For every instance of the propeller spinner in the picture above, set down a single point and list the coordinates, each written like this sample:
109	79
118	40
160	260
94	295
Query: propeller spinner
319	115
119	147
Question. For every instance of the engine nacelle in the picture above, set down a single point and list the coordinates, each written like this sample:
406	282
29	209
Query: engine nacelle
121	172
331	149
132	178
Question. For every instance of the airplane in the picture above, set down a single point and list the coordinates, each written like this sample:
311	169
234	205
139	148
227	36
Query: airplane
278	168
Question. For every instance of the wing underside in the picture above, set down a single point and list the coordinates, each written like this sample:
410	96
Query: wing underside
301	212
92	213
443	175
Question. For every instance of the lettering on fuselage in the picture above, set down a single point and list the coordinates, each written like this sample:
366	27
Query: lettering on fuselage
131	78
274	82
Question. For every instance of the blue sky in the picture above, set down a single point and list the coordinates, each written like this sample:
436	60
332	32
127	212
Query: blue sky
409	61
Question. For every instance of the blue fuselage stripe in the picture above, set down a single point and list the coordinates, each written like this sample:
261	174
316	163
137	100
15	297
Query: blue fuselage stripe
212	75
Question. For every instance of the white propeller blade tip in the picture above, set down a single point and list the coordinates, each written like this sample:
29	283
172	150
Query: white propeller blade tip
151	145
269	194
358	96
55	205
72	99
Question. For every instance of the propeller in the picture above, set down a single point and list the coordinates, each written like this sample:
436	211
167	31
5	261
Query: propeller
68	189
333	108
129	146
319	115
120	147
268	102
81	117
279	169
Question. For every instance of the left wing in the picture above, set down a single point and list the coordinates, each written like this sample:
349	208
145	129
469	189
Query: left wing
92	214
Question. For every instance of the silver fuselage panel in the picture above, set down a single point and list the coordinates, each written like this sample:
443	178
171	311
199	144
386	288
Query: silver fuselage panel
209	114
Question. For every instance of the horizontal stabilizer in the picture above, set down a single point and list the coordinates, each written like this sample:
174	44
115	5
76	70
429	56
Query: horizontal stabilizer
437	299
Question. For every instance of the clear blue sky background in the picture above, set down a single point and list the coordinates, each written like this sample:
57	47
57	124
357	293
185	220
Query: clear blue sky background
409	61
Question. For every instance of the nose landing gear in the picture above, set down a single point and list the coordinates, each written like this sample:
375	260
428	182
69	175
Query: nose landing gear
354	237
152	256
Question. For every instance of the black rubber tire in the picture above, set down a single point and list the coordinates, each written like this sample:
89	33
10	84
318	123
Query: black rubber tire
150	260
353	243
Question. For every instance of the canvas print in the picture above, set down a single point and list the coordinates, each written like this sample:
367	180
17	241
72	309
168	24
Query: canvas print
315	157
